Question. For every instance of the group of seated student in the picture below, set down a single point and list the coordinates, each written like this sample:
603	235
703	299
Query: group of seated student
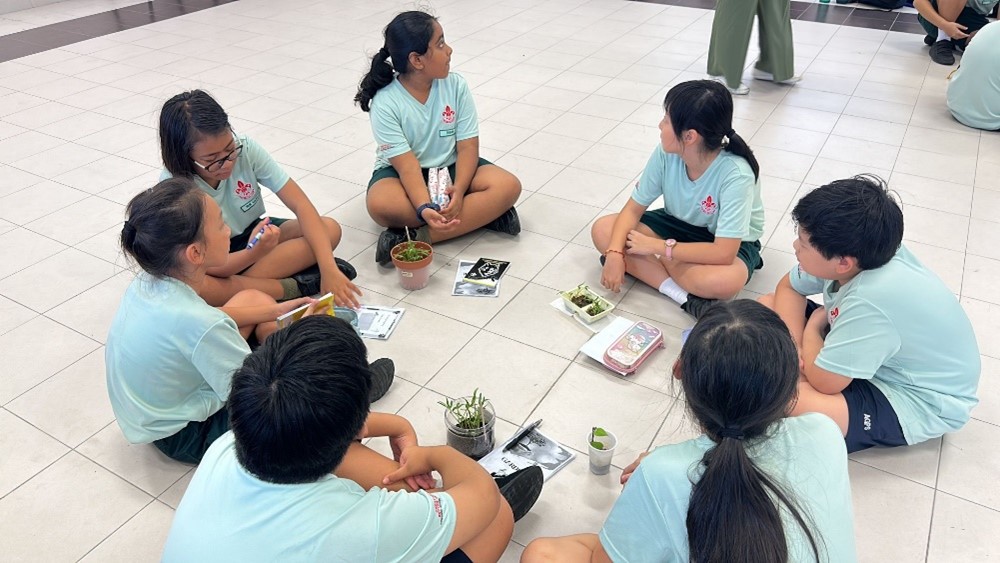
781	390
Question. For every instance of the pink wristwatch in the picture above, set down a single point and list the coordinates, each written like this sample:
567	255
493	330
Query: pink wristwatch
669	244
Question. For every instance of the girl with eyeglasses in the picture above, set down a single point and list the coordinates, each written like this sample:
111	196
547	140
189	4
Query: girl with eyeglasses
284	258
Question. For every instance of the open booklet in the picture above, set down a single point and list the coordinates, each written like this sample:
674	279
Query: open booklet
533	449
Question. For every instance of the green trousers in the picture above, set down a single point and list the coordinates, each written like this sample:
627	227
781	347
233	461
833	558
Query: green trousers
727	51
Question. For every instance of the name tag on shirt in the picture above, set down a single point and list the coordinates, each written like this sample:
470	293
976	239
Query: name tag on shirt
446	133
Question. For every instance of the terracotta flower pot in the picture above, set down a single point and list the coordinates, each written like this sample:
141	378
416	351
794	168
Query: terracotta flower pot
413	275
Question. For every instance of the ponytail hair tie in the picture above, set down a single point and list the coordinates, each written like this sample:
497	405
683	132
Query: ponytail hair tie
731	432
383	53
728	137
128	229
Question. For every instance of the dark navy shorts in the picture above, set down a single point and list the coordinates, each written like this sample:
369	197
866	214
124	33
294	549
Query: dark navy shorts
871	420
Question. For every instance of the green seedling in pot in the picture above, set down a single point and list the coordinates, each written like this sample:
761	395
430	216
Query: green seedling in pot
595	433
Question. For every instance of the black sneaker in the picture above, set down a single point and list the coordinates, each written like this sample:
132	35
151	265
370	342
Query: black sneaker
508	223
386	241
383	372
521	489
929	40
345	268
308	281
697	306
942	52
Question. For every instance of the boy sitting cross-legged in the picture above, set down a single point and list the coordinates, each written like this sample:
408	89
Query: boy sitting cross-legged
890	355
273	488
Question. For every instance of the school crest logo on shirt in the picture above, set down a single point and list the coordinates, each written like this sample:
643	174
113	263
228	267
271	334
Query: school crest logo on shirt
448	115
834	314
708	206
437	507
245	189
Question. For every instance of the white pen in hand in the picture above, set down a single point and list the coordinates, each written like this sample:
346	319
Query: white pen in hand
260	233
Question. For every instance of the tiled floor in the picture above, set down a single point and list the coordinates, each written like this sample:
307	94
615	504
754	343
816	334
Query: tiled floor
569	95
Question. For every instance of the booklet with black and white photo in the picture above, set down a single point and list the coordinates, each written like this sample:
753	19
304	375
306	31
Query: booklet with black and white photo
534	448
468	289
487	271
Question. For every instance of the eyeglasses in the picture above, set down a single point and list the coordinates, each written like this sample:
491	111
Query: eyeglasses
217	165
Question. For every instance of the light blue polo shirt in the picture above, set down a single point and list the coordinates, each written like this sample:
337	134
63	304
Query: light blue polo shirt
169	358
431	130
239	195
805	455
725	199
984	7
974	89
902	328
227	514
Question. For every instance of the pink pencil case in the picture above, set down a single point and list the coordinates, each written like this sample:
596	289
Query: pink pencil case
632	348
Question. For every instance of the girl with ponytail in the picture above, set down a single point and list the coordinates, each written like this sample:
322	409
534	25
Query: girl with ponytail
423	117
755	487
170	355
703	245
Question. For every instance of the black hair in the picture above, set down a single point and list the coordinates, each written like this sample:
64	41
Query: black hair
408	32
706	106
185	119
161	222
853	217
739	370
299	400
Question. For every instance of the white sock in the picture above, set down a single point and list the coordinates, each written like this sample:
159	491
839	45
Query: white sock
670	288
942	36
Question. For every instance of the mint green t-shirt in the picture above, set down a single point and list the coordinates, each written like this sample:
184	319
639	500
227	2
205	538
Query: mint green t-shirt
725	199
239	195
805	455
974	89
902	328
227	514
984	7
169	358
431	130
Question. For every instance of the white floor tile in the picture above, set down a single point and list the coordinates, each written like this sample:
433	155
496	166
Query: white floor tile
966	465
140	464
79	504
883	497
140	539
27	451
72	405
959	529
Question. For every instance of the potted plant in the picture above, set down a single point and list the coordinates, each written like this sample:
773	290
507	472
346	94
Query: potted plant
470	423
602	449
413	262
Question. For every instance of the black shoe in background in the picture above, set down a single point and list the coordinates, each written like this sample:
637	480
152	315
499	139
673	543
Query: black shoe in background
521	489
942	52
508	223
383	372
697	306
386	241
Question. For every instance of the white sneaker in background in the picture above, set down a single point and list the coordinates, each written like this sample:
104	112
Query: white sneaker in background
741	90
763	75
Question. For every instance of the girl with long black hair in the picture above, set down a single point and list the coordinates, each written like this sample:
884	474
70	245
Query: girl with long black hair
755	487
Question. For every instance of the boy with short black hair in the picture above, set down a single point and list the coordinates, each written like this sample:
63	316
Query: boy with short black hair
265	492
890	355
